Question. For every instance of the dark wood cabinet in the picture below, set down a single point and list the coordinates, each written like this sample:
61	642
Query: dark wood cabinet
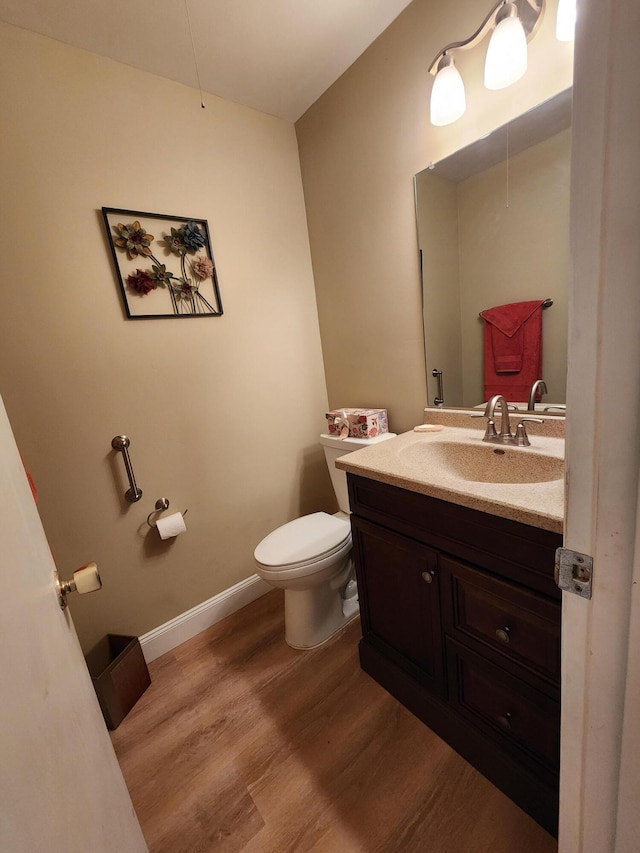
507	623
461	622
404	572
524	720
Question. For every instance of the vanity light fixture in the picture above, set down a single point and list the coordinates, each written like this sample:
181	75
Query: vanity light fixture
512	23
566	20
448	100
506	60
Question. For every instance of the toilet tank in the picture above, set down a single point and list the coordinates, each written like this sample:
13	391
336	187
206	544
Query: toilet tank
334	448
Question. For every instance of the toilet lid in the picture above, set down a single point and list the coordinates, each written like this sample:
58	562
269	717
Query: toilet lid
304	540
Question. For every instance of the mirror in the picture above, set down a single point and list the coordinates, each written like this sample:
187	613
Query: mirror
493	229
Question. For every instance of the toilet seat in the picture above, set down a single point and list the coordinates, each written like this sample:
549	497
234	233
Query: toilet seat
304	542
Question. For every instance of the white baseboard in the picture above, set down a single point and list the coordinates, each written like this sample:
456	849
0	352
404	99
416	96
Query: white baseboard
166	637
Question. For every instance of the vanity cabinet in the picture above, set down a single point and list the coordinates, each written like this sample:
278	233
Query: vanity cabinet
404	572
461	623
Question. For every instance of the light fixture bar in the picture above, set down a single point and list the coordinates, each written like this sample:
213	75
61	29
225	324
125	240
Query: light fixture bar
530	13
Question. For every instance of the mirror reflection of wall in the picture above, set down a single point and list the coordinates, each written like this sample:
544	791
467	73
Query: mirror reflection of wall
494	230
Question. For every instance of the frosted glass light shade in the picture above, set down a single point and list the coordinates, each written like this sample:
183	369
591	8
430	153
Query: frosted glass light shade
566	20
506	59
448	101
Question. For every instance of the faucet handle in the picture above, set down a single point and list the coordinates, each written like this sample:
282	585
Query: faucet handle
491	427
522	439
490	431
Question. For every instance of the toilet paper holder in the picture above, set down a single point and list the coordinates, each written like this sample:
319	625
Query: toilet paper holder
161	505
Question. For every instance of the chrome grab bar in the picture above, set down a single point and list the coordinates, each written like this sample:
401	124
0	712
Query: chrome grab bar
439	400
121	443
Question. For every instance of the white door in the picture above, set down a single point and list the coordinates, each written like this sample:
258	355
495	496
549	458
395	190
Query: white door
600	760
61	789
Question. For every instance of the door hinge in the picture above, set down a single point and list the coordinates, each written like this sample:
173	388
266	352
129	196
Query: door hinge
574	572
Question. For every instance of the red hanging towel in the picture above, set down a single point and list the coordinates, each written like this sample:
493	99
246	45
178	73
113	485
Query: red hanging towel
512	349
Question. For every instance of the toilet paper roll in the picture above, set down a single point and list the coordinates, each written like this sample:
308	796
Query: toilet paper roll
171	525
87	578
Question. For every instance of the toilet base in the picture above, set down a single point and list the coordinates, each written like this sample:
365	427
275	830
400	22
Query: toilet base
313	616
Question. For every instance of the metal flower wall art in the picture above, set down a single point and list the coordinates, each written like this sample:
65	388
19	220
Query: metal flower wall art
164	264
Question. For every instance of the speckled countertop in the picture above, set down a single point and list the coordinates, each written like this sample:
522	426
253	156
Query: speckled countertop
455	465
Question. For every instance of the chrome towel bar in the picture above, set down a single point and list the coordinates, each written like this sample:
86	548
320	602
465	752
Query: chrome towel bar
121	443
546	304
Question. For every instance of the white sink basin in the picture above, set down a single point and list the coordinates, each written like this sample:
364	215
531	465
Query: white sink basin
482	462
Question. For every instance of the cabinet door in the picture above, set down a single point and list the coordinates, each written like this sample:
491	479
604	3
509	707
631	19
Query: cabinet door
399	599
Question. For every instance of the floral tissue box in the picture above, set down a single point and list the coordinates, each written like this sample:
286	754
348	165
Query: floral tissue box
357	423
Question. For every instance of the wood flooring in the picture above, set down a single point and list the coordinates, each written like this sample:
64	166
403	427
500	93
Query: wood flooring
243	744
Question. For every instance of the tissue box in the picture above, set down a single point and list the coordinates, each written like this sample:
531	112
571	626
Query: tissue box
363	423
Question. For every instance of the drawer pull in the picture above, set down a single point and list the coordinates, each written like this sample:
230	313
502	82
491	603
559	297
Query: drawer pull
427	577
505	722
503	635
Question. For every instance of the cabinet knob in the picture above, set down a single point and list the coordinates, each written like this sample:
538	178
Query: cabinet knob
427	577
505	722
503	635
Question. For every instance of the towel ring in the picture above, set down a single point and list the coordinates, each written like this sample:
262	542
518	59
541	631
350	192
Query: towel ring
161	505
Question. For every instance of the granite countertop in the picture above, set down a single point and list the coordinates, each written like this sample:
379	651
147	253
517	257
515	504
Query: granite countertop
411	462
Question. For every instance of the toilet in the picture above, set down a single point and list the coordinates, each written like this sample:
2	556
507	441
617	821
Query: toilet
310	558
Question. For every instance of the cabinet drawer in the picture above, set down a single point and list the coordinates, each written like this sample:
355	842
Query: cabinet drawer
521	718
517	624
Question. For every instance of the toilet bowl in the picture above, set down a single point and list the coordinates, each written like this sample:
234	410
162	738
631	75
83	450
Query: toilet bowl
310	558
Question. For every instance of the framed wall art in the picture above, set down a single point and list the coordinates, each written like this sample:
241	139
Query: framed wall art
164	264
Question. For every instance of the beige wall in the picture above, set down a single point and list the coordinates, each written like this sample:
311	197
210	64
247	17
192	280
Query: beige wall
223	414
360	145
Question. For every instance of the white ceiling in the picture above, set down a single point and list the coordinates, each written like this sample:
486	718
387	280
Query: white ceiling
277	56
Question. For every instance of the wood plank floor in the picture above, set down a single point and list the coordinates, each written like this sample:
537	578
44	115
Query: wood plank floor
243	744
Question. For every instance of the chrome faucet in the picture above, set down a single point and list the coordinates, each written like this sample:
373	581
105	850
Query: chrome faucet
538	385
504	436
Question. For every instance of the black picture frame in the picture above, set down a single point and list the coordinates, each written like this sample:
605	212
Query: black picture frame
164	264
